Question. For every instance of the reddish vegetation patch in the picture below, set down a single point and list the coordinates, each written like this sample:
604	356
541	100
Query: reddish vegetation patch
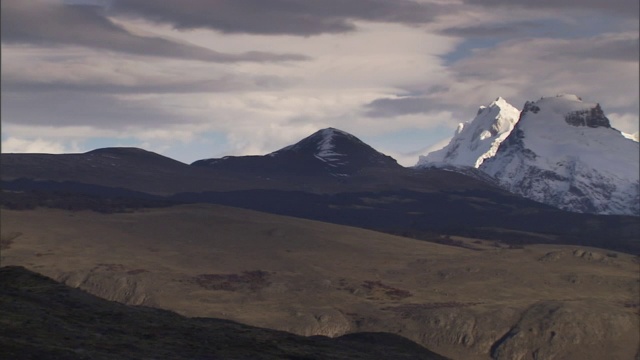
252	280
390	291
7	240
634	306
136	271
109	267
43	254
5	244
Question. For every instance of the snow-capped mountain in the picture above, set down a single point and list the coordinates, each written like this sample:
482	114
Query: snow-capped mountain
564	152
329	151
476	140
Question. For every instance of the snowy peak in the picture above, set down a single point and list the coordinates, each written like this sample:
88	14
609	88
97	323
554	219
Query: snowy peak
326	147
478	139
564	152
323	145
338	150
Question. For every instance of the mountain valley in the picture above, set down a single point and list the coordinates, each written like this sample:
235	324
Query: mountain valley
328	237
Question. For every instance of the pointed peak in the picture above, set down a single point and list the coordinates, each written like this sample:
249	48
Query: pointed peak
500	102
330	131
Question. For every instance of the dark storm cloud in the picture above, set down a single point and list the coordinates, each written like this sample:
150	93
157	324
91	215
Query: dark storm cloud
623	7
48	24
294	17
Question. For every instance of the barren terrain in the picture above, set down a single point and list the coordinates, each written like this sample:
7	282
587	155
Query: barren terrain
311	278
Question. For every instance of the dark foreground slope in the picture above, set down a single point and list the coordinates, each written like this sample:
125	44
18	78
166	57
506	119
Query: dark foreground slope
43	319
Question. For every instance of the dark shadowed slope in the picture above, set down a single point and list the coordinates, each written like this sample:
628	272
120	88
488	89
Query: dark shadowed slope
327	152
42	319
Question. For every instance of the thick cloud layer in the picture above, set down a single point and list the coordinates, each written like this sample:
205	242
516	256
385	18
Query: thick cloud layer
292	17
622	7
50	24
201	78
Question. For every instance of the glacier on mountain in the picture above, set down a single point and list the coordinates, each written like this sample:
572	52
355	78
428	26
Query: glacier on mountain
476	140
564	152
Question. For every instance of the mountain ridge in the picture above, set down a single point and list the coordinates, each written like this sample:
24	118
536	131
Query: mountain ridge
327	151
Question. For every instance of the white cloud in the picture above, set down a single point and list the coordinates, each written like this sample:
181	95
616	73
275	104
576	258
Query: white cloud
38	145
628	123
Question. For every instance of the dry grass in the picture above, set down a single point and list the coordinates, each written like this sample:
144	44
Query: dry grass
316	278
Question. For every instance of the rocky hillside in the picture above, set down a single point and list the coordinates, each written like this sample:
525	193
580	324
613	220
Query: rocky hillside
42	319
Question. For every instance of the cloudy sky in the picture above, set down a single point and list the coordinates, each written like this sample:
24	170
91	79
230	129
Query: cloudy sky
195	79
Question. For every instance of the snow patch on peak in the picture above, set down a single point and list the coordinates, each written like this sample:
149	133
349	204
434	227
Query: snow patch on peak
478	139
326	146
570	97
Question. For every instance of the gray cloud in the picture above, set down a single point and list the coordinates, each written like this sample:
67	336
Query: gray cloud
49	24
390	107
61	108
620	7
222	84
294	17
525	69
490	30
620	49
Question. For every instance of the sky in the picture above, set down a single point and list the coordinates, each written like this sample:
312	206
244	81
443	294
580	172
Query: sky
195	79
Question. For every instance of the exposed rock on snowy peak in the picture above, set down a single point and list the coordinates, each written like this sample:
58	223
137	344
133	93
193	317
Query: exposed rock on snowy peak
563	152
476	140
593	117
327	151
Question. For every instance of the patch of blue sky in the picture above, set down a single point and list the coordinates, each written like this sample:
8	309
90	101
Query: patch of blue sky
466	48
581	26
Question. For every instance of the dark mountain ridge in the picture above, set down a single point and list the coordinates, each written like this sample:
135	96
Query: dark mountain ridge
326	152
329	176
